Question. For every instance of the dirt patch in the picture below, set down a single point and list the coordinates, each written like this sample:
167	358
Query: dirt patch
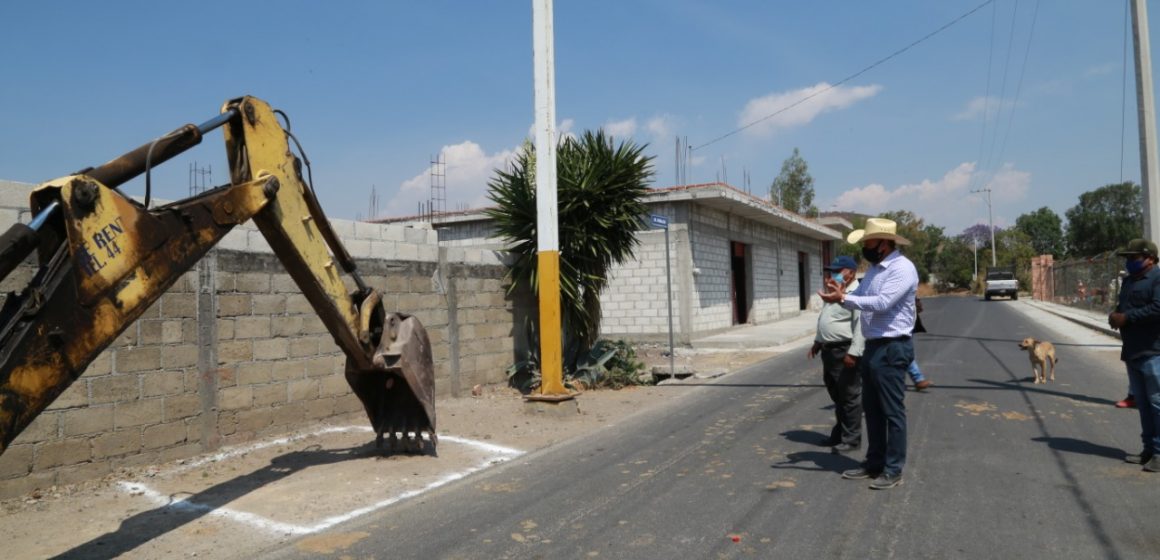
705	362
927	290
294	486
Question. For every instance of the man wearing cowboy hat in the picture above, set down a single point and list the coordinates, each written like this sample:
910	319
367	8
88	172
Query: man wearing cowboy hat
886	299
1137	316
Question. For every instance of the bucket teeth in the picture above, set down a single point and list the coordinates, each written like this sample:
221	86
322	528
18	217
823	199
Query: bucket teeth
398	394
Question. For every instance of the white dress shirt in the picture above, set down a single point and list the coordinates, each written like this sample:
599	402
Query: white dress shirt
886	298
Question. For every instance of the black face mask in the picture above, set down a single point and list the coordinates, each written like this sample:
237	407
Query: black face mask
871	254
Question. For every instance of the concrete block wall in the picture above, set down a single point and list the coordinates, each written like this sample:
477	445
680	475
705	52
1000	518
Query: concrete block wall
636	299
233	352
467	233
776	285
700	241
772	266
712	302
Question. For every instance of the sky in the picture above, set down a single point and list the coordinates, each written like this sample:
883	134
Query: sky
1026	98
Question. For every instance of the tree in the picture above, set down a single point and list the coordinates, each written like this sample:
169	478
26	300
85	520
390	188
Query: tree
1015	249
1105	219
1045	230
600	194
924	240
853	249
955	264
978	237
793	189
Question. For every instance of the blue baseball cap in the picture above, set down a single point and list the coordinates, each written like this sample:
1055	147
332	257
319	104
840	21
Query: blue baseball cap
843	261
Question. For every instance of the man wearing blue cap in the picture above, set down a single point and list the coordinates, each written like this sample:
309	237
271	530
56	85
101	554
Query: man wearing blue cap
839	341
1137	316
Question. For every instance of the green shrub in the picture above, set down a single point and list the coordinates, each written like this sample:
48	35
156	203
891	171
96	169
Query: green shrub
610	364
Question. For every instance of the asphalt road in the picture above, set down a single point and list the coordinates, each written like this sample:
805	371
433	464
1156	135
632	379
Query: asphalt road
998	468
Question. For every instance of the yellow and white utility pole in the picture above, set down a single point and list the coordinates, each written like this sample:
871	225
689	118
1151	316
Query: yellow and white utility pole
547	234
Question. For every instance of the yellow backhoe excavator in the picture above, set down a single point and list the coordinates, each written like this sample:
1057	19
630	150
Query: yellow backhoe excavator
105	258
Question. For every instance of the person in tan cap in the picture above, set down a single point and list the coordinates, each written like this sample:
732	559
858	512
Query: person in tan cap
1137	316
886	300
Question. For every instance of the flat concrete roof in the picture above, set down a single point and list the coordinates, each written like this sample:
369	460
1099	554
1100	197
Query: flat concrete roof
718	196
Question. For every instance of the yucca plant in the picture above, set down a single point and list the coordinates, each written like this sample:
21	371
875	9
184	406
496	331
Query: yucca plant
600	198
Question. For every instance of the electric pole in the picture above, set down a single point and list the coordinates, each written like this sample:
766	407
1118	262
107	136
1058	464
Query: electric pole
1145	109
990	225
547	233
976	276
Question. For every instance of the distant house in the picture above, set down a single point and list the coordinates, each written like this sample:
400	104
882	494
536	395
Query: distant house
735	259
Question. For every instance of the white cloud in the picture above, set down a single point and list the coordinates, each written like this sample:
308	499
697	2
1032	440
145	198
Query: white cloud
467	172
1101	70
1009	184
978	105
661	127
759	110
656	128
469	167
563	129
947	201
877	198
621	129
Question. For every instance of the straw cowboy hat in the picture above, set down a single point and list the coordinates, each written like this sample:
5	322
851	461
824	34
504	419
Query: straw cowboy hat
877	228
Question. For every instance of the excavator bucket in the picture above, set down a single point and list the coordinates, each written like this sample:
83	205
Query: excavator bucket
399	393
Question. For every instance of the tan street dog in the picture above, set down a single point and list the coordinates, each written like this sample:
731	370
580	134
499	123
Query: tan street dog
1039	352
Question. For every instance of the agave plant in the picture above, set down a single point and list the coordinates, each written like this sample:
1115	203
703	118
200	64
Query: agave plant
600	192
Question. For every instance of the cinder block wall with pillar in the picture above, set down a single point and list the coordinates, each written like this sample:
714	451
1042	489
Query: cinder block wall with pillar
234	352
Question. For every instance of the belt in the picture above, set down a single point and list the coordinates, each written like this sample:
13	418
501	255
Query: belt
836	344
887	339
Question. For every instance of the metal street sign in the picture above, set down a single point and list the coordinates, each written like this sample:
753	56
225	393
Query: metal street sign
659	221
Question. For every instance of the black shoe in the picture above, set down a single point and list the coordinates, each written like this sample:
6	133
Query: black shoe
830	442
1139	459
886	481
860	474
844	448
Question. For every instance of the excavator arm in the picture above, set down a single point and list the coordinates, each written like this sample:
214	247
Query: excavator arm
104	259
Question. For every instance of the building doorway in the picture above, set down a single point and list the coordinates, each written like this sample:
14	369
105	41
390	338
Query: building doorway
803	280
739	292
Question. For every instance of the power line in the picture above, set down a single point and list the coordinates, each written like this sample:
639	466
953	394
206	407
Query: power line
850	77
1019	84
1003	87
986	96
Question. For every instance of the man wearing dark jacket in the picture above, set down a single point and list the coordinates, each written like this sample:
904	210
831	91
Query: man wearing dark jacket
1137	315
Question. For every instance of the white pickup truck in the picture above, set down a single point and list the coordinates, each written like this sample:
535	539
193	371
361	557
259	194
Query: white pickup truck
1001	283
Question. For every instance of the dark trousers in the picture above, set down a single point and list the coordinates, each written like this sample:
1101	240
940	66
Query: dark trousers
883	368
845	388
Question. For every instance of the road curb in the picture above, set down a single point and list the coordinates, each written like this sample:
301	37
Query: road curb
748	343
1083	322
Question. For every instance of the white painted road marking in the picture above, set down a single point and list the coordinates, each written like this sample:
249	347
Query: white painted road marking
497	454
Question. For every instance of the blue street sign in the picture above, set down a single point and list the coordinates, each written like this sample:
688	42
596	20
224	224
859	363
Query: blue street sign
659	221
